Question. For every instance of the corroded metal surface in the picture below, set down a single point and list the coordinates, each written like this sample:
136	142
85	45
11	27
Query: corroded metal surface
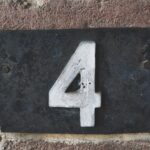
31	61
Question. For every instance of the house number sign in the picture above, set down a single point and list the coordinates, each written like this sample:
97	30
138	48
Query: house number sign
93	81
83	62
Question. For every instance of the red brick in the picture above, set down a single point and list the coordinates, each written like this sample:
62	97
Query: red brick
60	14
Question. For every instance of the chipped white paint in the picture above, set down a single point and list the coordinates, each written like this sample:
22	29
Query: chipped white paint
39	3
34	3
83	62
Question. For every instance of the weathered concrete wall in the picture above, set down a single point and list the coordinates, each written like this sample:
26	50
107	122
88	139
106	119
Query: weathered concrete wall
54	14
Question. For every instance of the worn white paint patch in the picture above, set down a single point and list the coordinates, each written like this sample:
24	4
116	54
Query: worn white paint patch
38	2
83	62
34	3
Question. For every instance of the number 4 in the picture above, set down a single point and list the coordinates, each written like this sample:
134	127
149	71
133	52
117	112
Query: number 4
83	62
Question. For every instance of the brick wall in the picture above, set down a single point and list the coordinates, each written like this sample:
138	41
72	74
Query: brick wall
27	14
60	14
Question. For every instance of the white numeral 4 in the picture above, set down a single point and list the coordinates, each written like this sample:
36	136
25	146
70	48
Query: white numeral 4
83	62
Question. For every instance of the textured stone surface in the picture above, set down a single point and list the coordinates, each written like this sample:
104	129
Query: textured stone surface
74	142
42	145
22	14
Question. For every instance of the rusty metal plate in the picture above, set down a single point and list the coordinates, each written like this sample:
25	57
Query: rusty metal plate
31	62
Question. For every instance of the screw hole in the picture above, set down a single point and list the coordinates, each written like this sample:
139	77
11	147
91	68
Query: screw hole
5	68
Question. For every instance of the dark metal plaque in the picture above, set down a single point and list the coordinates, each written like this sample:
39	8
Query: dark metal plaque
31	61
